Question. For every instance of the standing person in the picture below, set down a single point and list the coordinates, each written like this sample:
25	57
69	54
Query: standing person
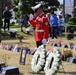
53	25
23	20
60	24
7	15
41	24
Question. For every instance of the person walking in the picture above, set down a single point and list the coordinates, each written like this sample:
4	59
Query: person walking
7	15
23	20
41	25
53	25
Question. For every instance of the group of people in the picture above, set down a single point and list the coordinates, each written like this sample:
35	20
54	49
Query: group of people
56	24
44	25
7	15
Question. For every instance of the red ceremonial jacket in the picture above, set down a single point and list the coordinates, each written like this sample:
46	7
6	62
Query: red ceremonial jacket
41	25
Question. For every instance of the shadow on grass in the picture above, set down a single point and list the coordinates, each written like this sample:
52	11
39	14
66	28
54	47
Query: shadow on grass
42	73
70	73
23	43
7	36
11	74
27	33
20	74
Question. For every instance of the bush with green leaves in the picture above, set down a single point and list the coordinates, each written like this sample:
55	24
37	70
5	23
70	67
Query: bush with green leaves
69	36
20	37
67	53
74	12
72	21
74	28
15	9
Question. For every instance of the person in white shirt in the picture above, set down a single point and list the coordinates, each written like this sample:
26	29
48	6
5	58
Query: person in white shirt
60	24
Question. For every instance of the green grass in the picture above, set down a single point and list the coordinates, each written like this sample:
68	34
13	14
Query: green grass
14	26
17	25
29	41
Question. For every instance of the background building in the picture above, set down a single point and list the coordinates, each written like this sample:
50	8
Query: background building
69	5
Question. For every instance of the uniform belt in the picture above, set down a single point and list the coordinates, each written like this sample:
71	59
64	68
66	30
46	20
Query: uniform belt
39	30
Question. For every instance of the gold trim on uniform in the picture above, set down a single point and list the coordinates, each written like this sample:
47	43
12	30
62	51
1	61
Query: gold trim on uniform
46	23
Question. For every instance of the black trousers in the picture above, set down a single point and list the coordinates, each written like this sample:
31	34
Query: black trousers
6	24
38	43
54	32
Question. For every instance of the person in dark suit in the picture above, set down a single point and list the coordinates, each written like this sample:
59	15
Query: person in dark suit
7	15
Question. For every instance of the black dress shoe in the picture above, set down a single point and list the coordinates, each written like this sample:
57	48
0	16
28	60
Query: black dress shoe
52	38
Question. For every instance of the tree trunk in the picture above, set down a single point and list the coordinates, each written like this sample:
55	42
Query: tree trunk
0	33
21	40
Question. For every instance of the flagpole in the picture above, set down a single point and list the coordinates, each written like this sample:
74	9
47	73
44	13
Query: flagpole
74	3
64	8
0	31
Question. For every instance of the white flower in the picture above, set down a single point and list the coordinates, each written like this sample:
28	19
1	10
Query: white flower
37	66
55	63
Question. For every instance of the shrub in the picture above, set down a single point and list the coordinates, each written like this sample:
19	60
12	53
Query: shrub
74	10
15	9
20	37
70	36
27	25
67	54
74	28
70	23
18	14
13	22
73	19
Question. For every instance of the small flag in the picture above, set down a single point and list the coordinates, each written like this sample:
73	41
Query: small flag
62	53
59	41
15	48
34	51
48	52
8	46
48	42
0	45
68	44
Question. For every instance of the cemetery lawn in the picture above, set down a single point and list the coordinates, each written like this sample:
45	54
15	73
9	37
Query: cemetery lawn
14	57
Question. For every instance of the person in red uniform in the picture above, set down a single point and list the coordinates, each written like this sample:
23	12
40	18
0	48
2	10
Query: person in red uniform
41	24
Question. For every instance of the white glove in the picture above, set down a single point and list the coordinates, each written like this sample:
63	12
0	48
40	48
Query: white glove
44	41
48	40
31	17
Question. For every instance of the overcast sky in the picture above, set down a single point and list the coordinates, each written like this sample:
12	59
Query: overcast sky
61	1
67	2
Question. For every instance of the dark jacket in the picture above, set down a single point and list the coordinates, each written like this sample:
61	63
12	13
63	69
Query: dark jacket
7	14
23	19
